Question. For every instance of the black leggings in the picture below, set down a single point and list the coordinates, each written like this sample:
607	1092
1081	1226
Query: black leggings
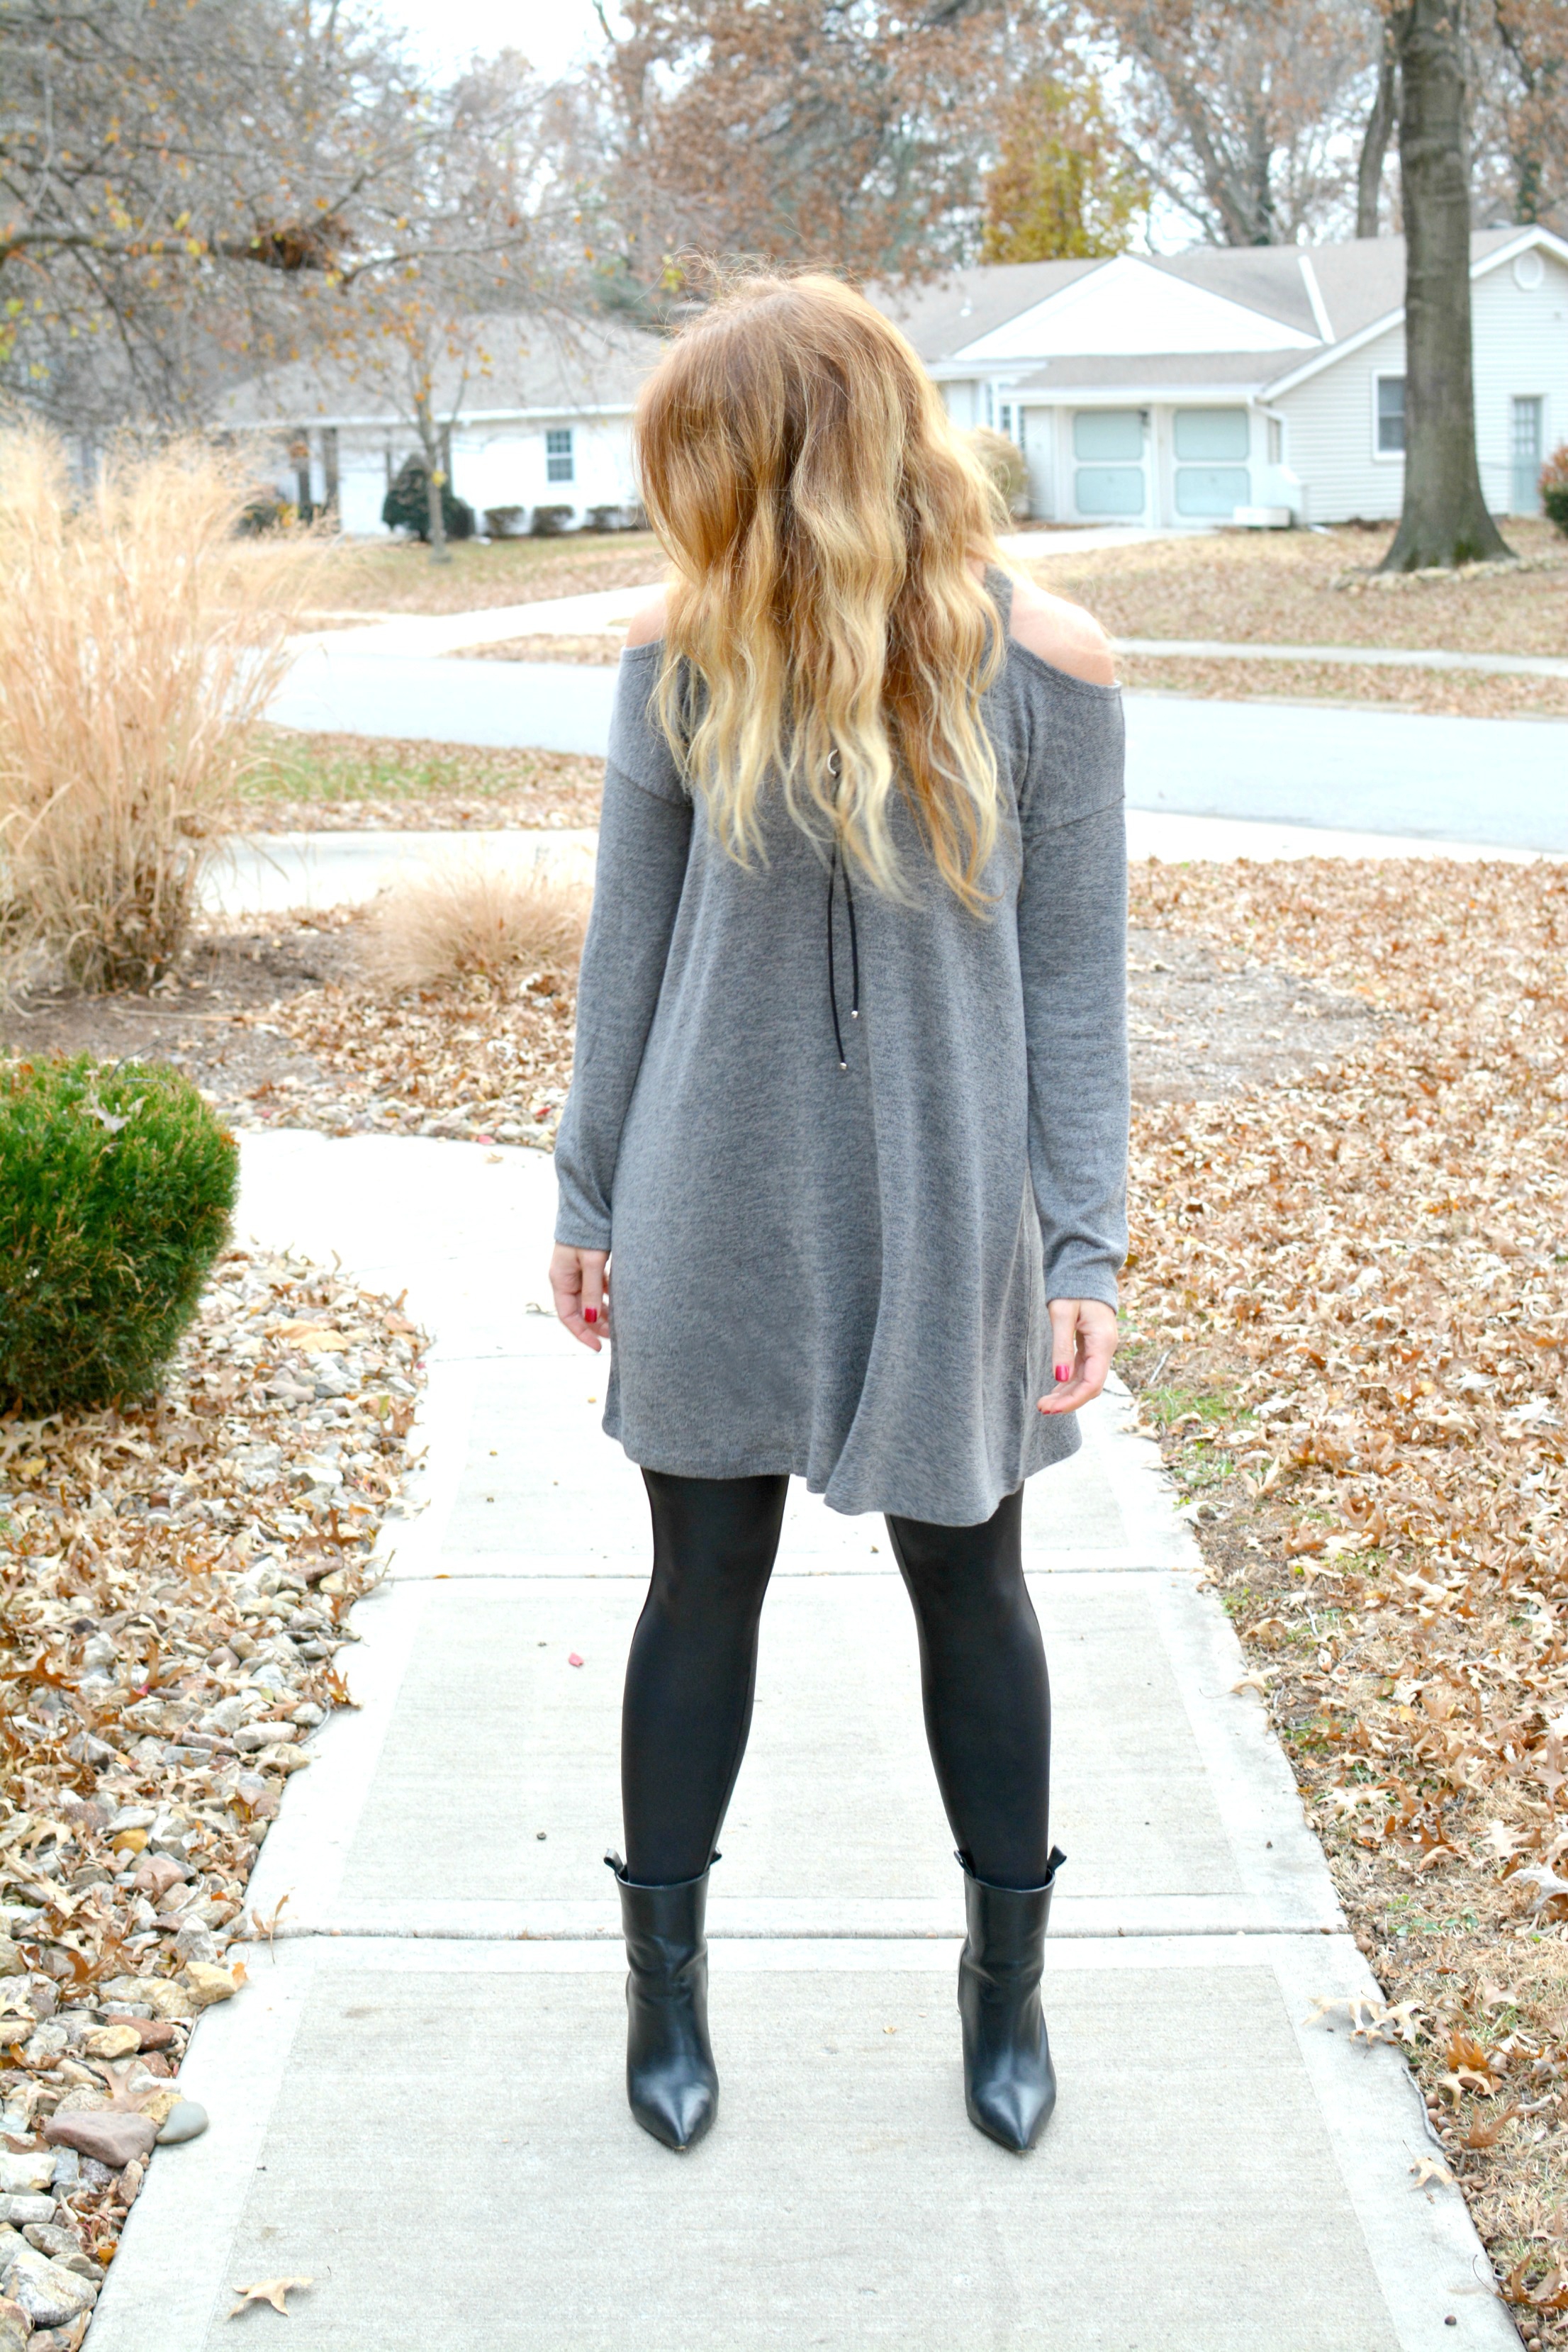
693	1669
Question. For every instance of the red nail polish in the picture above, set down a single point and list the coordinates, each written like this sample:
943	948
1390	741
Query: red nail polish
589	1313
1064	1372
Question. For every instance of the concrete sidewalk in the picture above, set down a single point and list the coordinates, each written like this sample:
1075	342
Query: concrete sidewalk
417	2103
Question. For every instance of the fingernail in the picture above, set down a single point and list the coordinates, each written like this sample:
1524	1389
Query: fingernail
591	1315
1064	1372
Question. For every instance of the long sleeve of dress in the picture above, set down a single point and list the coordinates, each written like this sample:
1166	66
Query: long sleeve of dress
1072	945
643	837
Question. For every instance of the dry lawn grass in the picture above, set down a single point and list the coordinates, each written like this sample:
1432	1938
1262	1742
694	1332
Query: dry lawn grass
1349	1297
397	577
334	783
1279	588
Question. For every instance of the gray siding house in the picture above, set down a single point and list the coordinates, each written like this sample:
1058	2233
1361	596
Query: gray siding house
1262	384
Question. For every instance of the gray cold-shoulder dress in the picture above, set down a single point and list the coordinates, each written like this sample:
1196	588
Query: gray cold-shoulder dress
835	1259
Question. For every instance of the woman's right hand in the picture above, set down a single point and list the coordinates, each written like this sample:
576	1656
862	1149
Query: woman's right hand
580	1283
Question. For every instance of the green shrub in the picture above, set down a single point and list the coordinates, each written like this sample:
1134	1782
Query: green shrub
116	1187
407	506
1554	488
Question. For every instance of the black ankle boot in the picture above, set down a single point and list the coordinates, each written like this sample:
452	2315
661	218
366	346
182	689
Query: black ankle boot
1009	2083
672	2080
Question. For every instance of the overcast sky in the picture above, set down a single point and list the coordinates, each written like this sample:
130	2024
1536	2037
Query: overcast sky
550	33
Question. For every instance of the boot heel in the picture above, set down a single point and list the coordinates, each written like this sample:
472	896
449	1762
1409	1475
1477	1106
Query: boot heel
1009	2083
672	2083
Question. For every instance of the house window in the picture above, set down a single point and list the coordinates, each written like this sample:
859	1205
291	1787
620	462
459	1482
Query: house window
1390	413
1108	445
1527	449
558	465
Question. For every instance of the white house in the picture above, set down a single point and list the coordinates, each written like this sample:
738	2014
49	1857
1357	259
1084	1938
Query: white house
1258	383
1253	383
539	418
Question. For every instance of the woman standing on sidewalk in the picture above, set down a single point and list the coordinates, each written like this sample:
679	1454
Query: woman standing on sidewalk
849	1108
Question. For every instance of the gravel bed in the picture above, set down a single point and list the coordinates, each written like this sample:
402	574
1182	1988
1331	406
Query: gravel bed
175	1584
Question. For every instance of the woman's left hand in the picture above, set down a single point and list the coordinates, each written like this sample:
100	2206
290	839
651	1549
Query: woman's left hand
1083	1342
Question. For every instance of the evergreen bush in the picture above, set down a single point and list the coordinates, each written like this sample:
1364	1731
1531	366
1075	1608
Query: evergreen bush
407	506
116	1188
1554	488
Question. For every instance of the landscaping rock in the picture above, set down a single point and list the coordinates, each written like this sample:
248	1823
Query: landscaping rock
49	2294
20	2211
207	1984
186	2120
16	2327
113	2042
112	2139
23	2176
152	2032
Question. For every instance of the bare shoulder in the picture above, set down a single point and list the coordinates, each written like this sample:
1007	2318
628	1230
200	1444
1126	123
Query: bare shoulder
647	621
1061	634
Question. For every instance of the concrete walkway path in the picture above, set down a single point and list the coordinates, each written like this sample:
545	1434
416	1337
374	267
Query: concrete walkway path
418	2102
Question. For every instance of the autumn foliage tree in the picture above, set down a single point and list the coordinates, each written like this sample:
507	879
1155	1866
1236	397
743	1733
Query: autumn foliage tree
1062	187
849	132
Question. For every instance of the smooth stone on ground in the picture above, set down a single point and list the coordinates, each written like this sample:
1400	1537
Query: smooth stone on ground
185	2121
110	2139
15	2326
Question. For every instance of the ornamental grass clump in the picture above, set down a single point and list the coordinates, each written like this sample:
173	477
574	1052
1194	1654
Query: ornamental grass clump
141	641
116	1188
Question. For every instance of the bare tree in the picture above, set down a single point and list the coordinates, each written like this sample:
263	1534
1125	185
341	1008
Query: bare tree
483	223
1240	108
1445	519
1380	118
173	178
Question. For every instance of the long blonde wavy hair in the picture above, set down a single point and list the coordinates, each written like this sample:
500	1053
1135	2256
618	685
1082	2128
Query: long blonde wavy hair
826	634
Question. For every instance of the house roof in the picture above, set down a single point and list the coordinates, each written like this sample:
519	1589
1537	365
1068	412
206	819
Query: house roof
1246	370
1003	317
531	362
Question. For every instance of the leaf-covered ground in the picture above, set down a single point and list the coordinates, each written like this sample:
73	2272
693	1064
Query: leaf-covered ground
1350	1300
175	1588
1318	588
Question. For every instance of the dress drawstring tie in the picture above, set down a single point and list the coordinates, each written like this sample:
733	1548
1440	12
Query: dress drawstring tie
832	873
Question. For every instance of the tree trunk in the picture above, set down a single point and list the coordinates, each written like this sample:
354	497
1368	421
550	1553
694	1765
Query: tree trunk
435	479
1374	143
1445	521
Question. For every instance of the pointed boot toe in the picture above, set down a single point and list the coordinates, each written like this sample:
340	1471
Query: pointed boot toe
672	2083
677	2111
1013	2109
1009	2083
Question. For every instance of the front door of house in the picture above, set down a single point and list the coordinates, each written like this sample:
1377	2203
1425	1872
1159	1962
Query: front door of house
1527	451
